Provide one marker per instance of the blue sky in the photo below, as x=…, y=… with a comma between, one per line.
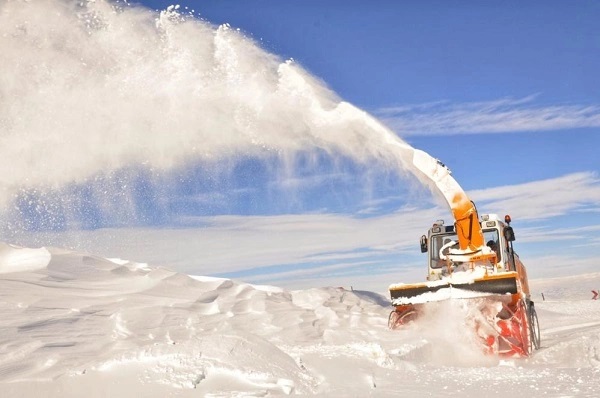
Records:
x=505, y=94
x=452, y=58
x=382, y=53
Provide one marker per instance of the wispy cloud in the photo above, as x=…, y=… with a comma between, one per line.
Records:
x=227, y=244
x=584, y=235
x=560, y=266
x=293, y=250
x=503, y=115
x=543, y=199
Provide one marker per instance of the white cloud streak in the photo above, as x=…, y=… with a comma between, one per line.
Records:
x=560, y=266
x=323, y=245
x=499, y=116
x=238, y=243
x=543, y=199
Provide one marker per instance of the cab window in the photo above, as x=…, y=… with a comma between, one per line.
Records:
x=490, y=238
x=437, y=242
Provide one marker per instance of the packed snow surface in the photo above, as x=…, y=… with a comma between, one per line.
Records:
x=78, y=325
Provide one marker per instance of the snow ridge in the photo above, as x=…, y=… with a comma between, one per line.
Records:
x=74, y=324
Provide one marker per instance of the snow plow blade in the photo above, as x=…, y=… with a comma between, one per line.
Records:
x=431, y=291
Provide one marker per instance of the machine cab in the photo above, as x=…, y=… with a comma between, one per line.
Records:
x=443, y=237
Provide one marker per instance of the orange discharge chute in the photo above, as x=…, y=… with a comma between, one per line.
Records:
x=467, y=225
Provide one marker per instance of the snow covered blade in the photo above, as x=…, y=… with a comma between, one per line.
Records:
x=439, y=290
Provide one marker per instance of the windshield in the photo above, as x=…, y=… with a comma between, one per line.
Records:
x=439, y=241
x=491, y=239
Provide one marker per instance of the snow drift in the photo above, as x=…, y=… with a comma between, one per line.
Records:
x=75, y=324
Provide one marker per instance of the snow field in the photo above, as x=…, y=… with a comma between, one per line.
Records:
x=75, y=324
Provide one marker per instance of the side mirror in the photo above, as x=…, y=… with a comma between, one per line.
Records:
x=423, y=243
x=509, y=234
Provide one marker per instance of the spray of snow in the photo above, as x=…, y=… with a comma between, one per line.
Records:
x=94, y=87
x=445, y=335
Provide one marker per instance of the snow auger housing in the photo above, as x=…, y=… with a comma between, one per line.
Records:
x=472, y=259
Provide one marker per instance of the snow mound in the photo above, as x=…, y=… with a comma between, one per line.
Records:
x=74, y=324
x=19, y=259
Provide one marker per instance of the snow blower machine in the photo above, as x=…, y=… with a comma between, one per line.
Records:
x=472, y=260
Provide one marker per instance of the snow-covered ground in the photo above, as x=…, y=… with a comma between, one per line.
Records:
x=74, y=325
